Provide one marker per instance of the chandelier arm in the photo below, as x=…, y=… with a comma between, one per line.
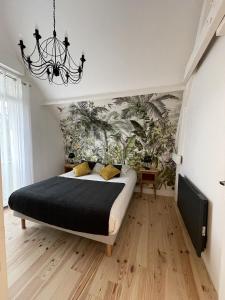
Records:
x=58, y=51
x=61, y=54
x=41, y=57
x=56, y=83
x=73, y=69
x=35, y=47
x=42, y=77
x=43, y=50
x=69, y=71
x=26, y=58
x=38, y=69
x=23, y=56
x=74, y=81
x=64, y=71
x=47, y=42
x=63, y=79
x=38, y=62
x=40, y=53
x=65, y=57
x=39, y=73
x=41, y=67
x=52, y=75
x=35, y=66
x=38, y=46
x=71, y=59
x=34, y=62
x=77, y=65
x=47, y=54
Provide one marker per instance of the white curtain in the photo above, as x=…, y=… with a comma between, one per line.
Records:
x=15, y=135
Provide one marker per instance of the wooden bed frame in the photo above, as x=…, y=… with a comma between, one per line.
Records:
x=109, y=240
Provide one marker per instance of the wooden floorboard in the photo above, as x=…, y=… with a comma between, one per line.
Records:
x=152, y=259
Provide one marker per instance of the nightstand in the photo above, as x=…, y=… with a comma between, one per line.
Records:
x=148, y=177
x=69, y=167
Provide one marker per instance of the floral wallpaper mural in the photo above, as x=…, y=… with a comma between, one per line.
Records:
x=124, y=130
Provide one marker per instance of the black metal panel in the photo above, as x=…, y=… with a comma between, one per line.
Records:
x=193, y=206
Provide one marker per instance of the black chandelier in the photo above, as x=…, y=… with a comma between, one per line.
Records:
x=51, y=59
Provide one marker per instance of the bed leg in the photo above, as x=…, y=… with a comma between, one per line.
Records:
x=109, y=250
x=23, y=223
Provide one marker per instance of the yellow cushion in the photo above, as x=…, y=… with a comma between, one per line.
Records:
x=109, y=172
x=82, y=169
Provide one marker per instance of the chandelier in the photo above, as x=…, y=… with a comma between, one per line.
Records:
x=51, y=59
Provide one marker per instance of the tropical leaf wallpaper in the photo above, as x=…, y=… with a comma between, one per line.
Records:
x=124, y=130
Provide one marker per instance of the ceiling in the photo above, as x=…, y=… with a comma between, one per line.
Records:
x=129, y=44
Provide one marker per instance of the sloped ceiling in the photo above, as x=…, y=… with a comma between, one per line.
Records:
x=129, y=44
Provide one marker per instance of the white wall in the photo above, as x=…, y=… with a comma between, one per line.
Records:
x=48, y=151
x=7, y=54
x=204, y=147
x=222, y=274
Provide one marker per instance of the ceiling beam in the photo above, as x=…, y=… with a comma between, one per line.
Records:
x=221, y=29
x=213, y=20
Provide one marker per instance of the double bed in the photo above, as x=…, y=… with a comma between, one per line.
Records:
x=87, y=206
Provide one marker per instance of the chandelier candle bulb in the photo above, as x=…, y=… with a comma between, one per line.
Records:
x=51, y=58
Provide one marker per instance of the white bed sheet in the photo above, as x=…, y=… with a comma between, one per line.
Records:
x=121, y=203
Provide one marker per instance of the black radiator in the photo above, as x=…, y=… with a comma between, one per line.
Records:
x=193, y=206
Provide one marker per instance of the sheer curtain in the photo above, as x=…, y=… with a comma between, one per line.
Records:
x=15, y=135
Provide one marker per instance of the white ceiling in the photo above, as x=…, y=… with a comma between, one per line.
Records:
x=129, y=44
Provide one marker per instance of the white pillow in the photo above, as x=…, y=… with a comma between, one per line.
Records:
x=97, y=168
x=124, y=170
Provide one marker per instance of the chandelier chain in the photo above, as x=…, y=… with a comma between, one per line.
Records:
x=54, y=14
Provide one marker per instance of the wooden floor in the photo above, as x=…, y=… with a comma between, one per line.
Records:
x=150, y=260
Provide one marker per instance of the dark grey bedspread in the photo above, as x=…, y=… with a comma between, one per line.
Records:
x=75, y=204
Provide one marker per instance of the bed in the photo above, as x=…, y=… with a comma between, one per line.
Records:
x=122, y=187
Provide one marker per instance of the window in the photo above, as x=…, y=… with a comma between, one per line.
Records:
x=15, y=135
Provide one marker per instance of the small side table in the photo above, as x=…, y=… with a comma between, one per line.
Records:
x=69, y=167
x=148, y=177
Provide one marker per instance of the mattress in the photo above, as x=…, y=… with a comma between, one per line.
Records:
x=121, y=203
